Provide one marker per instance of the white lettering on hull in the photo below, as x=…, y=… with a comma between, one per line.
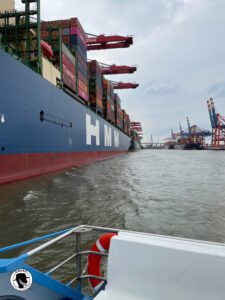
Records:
x=116, y=139
x=108, y=136
x=92, y=130
x=111, y=137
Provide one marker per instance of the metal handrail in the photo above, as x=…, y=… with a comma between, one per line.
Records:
x=33, y=241
x=86, y=277
x=49, y=243
x=59, y=236
x=61, y=264
x=78, y=229
x=73, y=256
x=93, y=276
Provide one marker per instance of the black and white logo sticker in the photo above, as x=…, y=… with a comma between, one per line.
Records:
x=2, y=118
x=21, y=280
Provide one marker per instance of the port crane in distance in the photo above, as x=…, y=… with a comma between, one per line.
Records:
x=193, y=134
x=218, y=125
x=102, y=42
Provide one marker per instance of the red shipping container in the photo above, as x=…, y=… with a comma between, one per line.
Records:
x=69, y=68
x=95, y=86
x=74, y=22
x=76, y=31
x=68, y=63
x=66, y=39
x=66, y=23
x=118, y=112
x=69, y=79
x=83, y=94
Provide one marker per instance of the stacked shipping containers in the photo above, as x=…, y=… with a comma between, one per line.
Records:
x=118, y=111
x=76, y=73
x=68, y=69
x=126, y=122
x=95, y=86
x=78, y=45
x=74, y=37
x=108, y=101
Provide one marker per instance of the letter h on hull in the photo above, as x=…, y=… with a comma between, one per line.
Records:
x=92, y=130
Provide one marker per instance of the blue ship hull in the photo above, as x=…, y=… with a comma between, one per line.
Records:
x=43, y=129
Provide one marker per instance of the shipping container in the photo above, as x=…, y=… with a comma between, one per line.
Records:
x=108, y=101
x=74, y=37
x=95, y=86
x=50, y=72
x=126, y=122
x=7, y=5
x=118, y=111
x=66, y=31
x=69, y=69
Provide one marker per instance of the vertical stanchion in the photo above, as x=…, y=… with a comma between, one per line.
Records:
x=39, y=36
x=78, y=259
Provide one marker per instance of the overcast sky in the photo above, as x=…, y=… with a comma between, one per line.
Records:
x=179, y=49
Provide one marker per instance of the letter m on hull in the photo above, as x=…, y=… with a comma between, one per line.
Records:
x=116, y=139
x=108, y=136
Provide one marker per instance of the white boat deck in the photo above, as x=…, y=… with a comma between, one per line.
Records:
x=157, y=268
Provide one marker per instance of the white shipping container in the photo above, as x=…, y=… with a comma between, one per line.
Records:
x=50, y=73
x=7, y=5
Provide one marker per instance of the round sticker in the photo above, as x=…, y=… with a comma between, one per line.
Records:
x=21, y=280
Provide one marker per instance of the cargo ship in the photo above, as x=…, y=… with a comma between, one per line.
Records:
x=187, y=146
x=186, y=143
x=193, y=138
x=57, y=111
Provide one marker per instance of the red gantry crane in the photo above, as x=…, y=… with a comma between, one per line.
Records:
x=101, y=42
x=124, y=85
x=192, y=135
x=136, y=126
x=114, y=69
x=218, y=126
x=136, y=130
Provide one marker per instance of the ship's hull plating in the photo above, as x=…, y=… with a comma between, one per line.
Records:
x=42, y=129
x=135, y=145
x=188, y=146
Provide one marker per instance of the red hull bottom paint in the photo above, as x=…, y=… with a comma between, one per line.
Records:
x=20, y=166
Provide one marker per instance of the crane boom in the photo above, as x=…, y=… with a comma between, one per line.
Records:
x=124, y=85
x=211, y=114
x=213, y=111
x=102, y=42
x=181, y=130
x=189, y=126
x=114, y=69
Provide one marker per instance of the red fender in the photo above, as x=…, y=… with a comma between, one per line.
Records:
x=94, y=261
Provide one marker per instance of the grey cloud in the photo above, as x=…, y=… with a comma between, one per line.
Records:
x=217, y=89
x=160, y=90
